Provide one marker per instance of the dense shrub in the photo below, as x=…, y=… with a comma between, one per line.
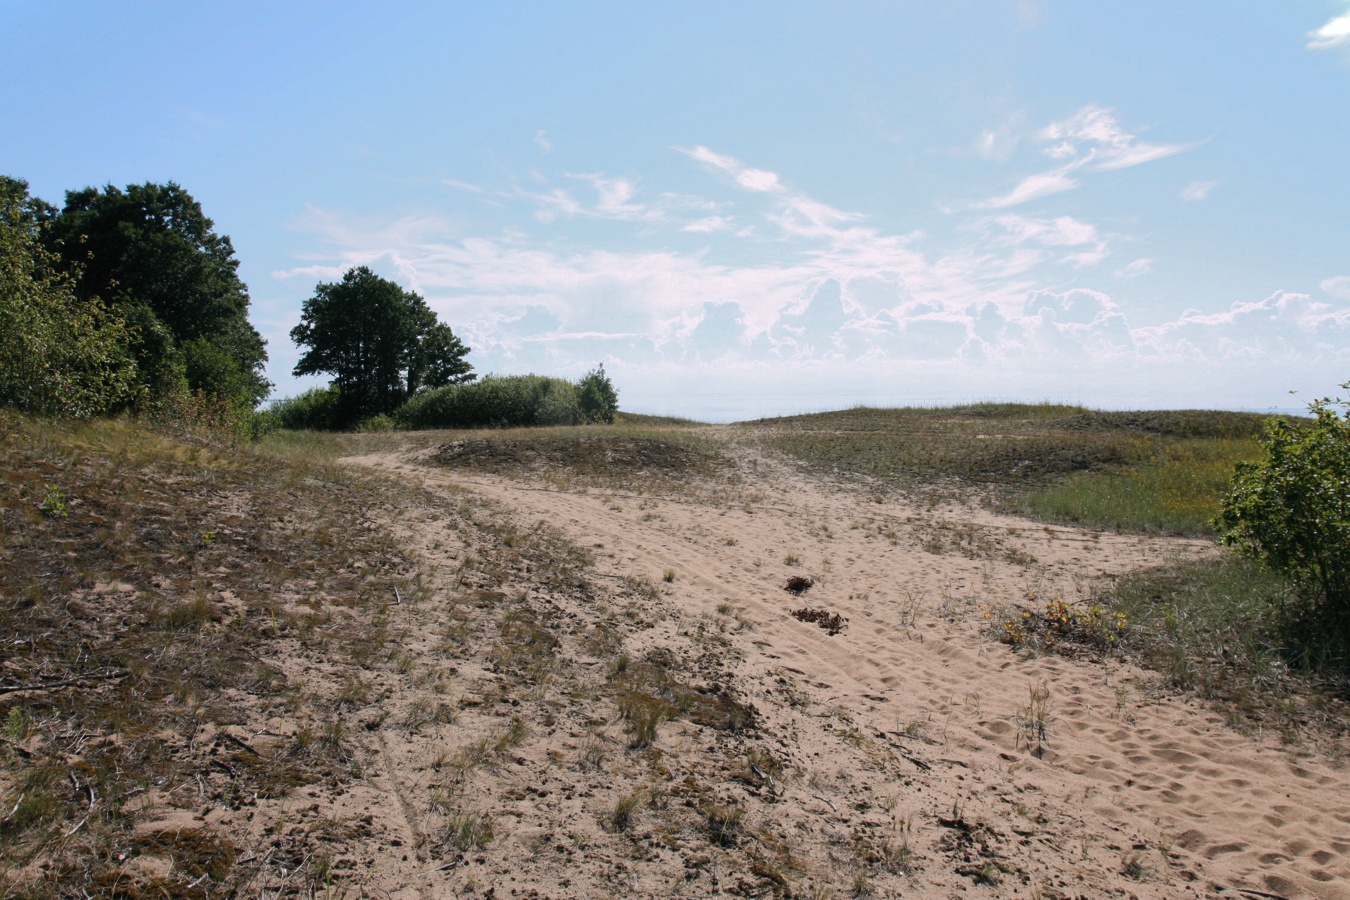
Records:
x=1291, y=510
x=314, y=410
x=595, y=392
x=496, y=402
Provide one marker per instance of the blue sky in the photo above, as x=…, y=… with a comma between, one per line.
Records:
x=745, y=209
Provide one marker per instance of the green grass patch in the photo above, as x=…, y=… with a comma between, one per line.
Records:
x=1230, y=630
x=1174, y=488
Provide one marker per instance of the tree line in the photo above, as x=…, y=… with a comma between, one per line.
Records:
x=128, y=299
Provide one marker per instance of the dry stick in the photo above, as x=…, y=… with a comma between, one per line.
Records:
x=238, y=743
x=66, y=682
x=825, y=801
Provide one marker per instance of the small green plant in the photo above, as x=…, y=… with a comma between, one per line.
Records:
x=16, y=725
x=54, y=504
x=723, y=822
x=1291, y=511
x=668, y=576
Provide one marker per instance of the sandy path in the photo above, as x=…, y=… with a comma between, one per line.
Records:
x=1152, y=787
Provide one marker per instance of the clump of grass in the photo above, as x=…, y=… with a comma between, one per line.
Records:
x=642, y=712
x=668, y=576
x=466, y=831
x=1033, y=722
x=1222, y=628
x=724, y=822
x=621, y=816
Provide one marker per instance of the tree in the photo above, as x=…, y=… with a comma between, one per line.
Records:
x=597, y=397
x=59, y=354
x=380, y=343
x=1291, y=510
x=153, y=254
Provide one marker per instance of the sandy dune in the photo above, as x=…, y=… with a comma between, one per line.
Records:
x=908, y=728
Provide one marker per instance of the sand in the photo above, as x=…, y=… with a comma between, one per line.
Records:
x=890, y=759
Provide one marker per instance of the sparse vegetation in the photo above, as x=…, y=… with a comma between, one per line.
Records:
x=1135, y=471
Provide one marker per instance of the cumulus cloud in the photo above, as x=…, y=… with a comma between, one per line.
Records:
x=791, y=282
x=1335, y=33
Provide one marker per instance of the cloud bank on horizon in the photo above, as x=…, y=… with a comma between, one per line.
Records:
x=757, y=281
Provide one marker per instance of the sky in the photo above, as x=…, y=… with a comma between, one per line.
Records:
x=747, y=209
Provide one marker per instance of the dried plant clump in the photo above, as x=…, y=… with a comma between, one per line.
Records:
x=833, y=623
x=799, y=584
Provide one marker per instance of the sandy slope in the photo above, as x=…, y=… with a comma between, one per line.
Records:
x=902, y=728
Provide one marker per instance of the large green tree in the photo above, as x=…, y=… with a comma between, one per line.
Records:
x=151, y=252
x=59, y=354
x=380, y=343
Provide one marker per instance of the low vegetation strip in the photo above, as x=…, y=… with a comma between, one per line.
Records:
x=1162, y=471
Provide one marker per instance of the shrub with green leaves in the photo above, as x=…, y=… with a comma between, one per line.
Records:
x=59, y=354
x=314, y=410
x=597, y=397
x=1291, y=510
x=495, y=402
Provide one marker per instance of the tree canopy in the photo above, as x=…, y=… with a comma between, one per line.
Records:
x=380, y=343
x=150, y=252
x=59, y=354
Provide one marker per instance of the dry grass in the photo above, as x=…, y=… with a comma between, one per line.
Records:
x=148, y=608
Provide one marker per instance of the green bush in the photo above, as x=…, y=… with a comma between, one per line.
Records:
x=597, y=397
x=495, y=402
x=1291, y=510
x=59, y=354
x=314, y=410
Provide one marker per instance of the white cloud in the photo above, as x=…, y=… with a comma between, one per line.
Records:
x=751, y=179
x=461, y=186
x=806, y=284
x=1198, y=190
x=1136, y=268
x=1093, y=136
x=998, y=143
x=1338, y=287
x=709, y=224
x=1335, y=33
x=541, y=138
x=1034, y=187
x=1062, y=231
x=1091, y=139
x=757, y=180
